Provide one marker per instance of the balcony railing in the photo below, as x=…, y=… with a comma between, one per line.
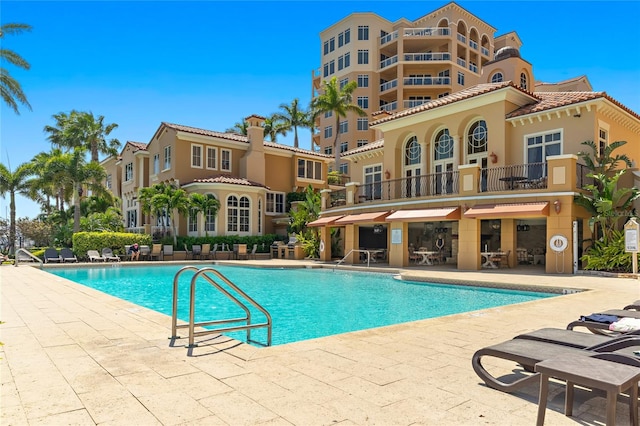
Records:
x=473, y=44
x=420, y=57
x=473, y=67
x=338, y=198
x=462, y=38
x=462, y=62
x=159, y=232
x=426, y=32
x=484, y=51
x=436, y=184
x=135, y=230
x=509, y=178
x=389, y=61
x=339, y=179
x=415, y=102
x=582, y=179
x=426, y=81
x=391, y=106
x=389, y=85
x=389, y=37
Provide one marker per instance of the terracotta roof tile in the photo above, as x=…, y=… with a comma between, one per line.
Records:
x=138, y=145
x=228, y=179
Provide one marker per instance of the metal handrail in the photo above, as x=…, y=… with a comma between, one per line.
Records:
x=192, y=324
x=368, y=252
x=28, y=253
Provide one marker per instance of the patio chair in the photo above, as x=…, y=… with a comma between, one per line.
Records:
x=145, y=252
x=252, y=255
x=528, y=353
x=598, y=323
x=108, y=255
x=242, y=252
x=187, y=252
x=94, y=256
x=126, y=255
x=197, y=251
x=67, y=255
x=167, y=250
x=51, y=255
x=156, y=252
x=206, y=251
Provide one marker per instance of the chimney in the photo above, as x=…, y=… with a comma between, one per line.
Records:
x=252, y=163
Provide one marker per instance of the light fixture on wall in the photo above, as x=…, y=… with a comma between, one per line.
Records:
x=557, y=206
x=387, y=174
x=494, y=157
x=378, y=229
x=495, y=224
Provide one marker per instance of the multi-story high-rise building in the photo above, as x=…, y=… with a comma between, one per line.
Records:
x=403, y=64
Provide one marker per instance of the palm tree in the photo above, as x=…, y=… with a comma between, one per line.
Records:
x=339, y=102
x=240, y=128
x=165, y=199
x=273, y=127
x=205, y=204
x=84, y=130
x=293, y=117
x=14, y=182
x=46, y=183
x=10, y=89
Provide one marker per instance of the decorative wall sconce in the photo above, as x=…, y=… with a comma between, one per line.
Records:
x=494, y=157
x=557, y=206
x=387, y=174
x=378, y=229
x=495, y=224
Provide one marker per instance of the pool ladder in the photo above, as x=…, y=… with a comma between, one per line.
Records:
x=367, y=252
x=224, y=289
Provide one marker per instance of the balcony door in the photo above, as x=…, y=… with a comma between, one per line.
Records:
x=443, y=163
x=477, y=144
x=373, y=182
x=412, y=169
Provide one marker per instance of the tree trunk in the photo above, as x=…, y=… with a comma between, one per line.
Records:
x=12, y=223
x=336, y=152
x=295, y=136
x=76, y=209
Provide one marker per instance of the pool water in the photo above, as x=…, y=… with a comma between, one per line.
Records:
x=303, y=303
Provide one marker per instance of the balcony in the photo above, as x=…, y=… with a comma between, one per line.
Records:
x=338, y=198
x=461, y=62
x=338, y=179
x=415, y=102
x=135, y=230
x=426, y=32
x=515, y=177
x=484, y=51
x=462, y=38
x=473, y=67
x=388, y=62
x=388, y=85
x=388, y=38
x=473, y=44
x=426, y=81
x=427, y=57
x=391, y=106
x=433, y=185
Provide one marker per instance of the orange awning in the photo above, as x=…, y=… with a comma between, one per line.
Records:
x=425, y=215
x=519, y=210
x=363, y=217
x=324, y=221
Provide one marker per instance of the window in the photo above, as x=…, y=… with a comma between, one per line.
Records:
x=363, y=80
x=196, y=156
x=210, y=221
x=343, y=82
x=523, y=81
x=156, y=164
x=461, y=78
x=344, y=127
x=326, y=47
x=325, y=70
x=347, y=36
x=212, y=158
x=275, y=202
x=128, y=172
x=332, y=44
x=373, y=182
x=344, y=147
x=477, y=137
x=363, y=56
x=363, y=102
x=192, y=221
x=309, y=169
x=238, y=214
x=347, y=59
x=340, y=62
x=443, y=147
x=328, y=132
x=363, y=124
x=328, y=114
x=603, y=138
x=332, y=66
x=539, y=147
x=363, y=32
x=344, y=168
x=412, y=152
x=132, y=219
x=259, y=215
x=362, y=142
x=328, y=150
x=442, y=95
x=225, y=160
x=108, y=181
x=340, y=39
x=167, y=157
x=496, y=78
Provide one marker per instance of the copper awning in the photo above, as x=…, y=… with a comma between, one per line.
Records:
x=425, y=215
x=362, y=217
x=324, y=221
x=519, y=210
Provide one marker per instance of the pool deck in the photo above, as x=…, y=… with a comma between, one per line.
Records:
x=73, y=355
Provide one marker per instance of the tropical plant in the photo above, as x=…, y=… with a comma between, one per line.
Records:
x=10, y=89
x=338, y=101
x=165, y=200
x=603, y=161
x=240, y=128
x=14, y=182
x=205, y=204
x=293, y=117
x=608, y=255
x=306, y=211
x=36, y=230
x=109, y=220
x=273, y=127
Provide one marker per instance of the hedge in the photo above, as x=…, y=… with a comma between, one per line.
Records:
x=84, y=241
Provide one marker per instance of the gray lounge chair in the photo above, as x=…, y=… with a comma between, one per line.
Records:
x=107, y=255
x=51, y=255
x=528, y=353
x=635, y=306
x=67, y=255
x=602, y=327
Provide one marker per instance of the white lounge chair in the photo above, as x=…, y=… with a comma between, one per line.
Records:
x=95, y=256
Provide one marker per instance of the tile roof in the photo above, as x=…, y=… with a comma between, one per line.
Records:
x=470, y=92
x=137, y=145
x=228, y=179
x=551, y=100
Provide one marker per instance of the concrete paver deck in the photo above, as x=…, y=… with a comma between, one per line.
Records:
x=73, y=355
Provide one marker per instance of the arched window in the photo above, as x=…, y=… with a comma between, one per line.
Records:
x=412, y=152
x=497, y=77
x=477, y=137
x=238, y=214
x=443, y=147
x=523, y=81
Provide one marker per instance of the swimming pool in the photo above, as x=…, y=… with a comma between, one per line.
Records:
x=304, y=303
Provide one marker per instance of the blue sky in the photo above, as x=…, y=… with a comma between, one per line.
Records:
x=210, y=63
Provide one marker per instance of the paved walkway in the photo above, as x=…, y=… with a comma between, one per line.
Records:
x=73, y=355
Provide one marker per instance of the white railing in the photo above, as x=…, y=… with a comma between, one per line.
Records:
x=135, y=230
x=425, y=32
x=484, y=51
x=158, y=232
x=462, y=38
x=389, y=85
x=391, y=106
x=389, y=61
x=462, y=62
x=389, y=37
x=473, y=44
x=415, y=102
x=438, y=56
x=426, y=81
x=473, y=67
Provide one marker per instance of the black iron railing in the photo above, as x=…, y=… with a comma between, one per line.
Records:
x=409, y=187
x=582, y=178
x=338, y=198
x=514, y=177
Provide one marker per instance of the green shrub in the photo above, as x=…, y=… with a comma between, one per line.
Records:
x=611, y=256
x=263, y=241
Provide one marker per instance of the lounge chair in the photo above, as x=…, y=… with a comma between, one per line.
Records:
x=252, y=255
x=528, y=353
x=572, y=338
x=167, y=250
x=635, y=306
x=51, y=255
x=67, y=255
x=156, y=251
x=107, y=255
x=187, y=252
x=197, y=251
x=95, y=256
x=598, y=327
